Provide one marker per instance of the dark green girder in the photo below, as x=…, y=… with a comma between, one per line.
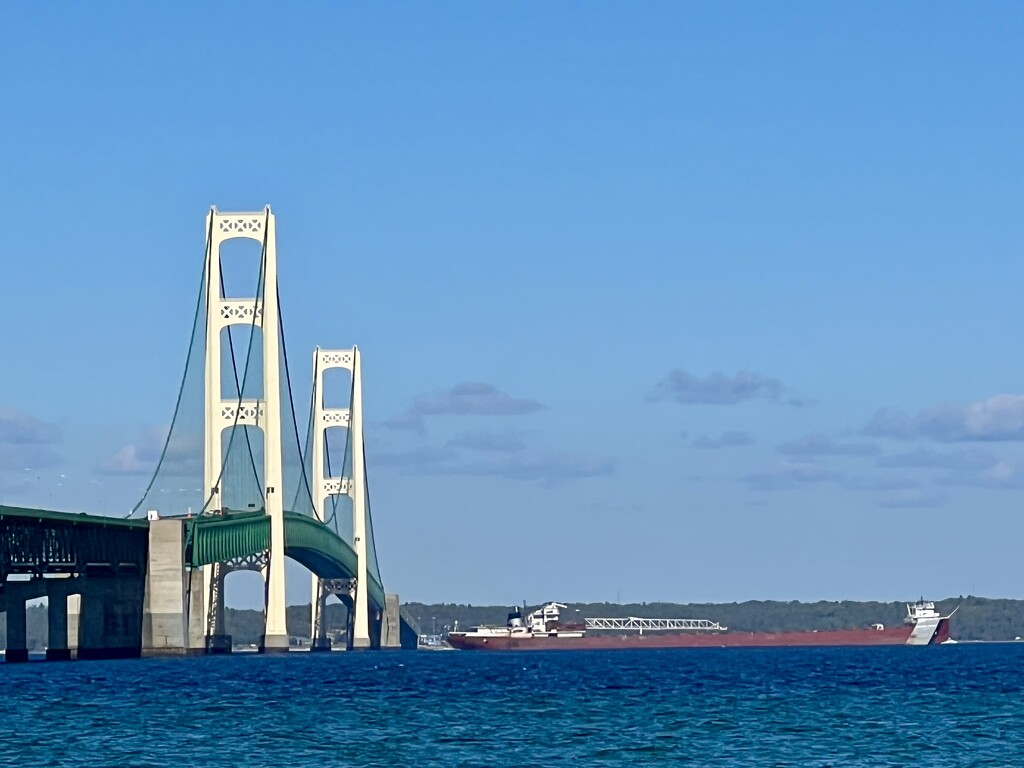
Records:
x=219, y=538
x=37, y=541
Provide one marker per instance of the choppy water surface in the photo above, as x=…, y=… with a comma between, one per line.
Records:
x=950, y=706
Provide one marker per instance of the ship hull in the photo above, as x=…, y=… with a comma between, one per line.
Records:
x=828, y=638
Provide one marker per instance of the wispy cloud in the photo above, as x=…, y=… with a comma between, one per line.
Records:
x=1001, y=474
x=725, y=440
x=911, y=499
x=789, y=476
x=466, y=399
x=19, y=428
x=415, y=459
x=26, y=442
x=406, y=422
x=928, y=458
x=490, y=442
x=997, y=418
x=883, y=482
x=183, y=454
x=446, y=460
x=547, y=470
x=126, y=461
x=970, y=467
x=19, y=457
x=719, y=389
x=820, y=445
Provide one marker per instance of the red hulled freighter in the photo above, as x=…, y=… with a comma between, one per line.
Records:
x=543, y=630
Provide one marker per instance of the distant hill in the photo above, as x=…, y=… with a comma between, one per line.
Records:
x=978, y=618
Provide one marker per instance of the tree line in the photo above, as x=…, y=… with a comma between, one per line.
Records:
x=976, y=618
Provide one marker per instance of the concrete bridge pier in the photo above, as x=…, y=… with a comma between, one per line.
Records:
x=74, y=604
x=173, y=615
x=110, y=625
x=57, y=620
x=16, y=595
x=391, y=624
x=61, y=607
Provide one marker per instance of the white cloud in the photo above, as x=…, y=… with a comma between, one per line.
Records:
x=720, y=389
x=182, y=454
x=19, y=428
x=466, y=399
x=997, y=418
x=125, y=462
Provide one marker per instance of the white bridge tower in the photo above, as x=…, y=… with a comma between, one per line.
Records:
x=263, y=412
x=354, y=487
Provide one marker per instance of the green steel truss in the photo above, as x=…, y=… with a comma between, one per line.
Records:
x=217, y=539
x=37, y=541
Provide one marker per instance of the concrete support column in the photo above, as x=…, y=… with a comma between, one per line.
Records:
x=174, y=618
x=111, y=618
x=391, y=624
x=57, y=621
x=17, y=639
x=195, y=614
x=74, y=603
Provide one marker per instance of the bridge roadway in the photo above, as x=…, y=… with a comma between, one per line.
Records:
x=94, y=570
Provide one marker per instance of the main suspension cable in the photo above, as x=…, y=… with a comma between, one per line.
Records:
x=291, y=402
x=184, y=375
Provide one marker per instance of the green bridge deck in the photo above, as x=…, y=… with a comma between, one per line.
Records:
x=37, y=542
x=219, y=538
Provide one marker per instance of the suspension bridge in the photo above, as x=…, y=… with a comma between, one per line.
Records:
x=238, y=486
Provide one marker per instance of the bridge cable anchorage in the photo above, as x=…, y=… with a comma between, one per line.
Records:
x=655, y=624
x=261, y=290
x=291, y=403
x=184, y=375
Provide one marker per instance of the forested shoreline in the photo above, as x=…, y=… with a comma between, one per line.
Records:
x=976, y=618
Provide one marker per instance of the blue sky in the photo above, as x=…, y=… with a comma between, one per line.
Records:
x=659, y=302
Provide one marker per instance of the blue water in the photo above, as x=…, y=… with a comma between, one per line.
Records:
x=949, y=706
